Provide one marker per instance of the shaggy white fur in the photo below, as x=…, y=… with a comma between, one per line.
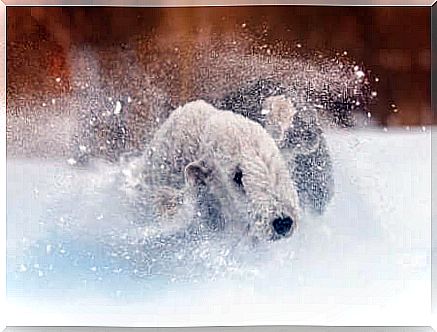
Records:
x=227, y=167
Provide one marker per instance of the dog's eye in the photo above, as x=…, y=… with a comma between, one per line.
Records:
x=238, y=177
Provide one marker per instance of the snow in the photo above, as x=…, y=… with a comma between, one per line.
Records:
x=73, y=260
x=117, y=107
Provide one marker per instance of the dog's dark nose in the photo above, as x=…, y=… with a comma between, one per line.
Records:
x=282, y=225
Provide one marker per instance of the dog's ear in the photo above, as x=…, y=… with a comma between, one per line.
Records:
x=279, y=112
x=197, y=172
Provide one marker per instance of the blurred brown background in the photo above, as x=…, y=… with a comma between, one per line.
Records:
x=393, y=42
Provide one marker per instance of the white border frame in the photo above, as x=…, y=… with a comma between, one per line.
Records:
x=131, y=3
x=3, y=164
x=215, y=3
